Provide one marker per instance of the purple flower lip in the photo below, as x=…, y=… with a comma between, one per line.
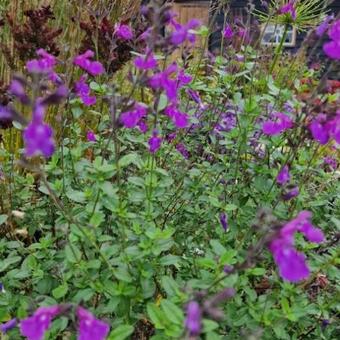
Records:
x=35, y=326
x=332, y=48
x=224, y=221
x=89, y=327
x=283, y=176
x=94, y=68
x=154, y=142
x=193, y=321
x=7, y=326
x=90, y=136
x=292, y=264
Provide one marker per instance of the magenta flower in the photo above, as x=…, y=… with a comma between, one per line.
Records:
x=163, y=81
x=146, y=62
x=319, y=132
x=289, y=9
x=38, y=138
x=130, y=119
x=17, y=89
x=183, y=78
x=228, y=32
x=179, y=118
x=332, y=48
x=291, y=263
x=283, y=176
x=224, y=221
x=154, y=142
x=92, y=67
x=193, y=321
x=7, y=326
x=124, y=32
x=143, y=127
x=89, y=327
x=35, y=326
x=83, y=91
x=182, y=32
x=90, y=136
x=279, y=124
x=44, y=64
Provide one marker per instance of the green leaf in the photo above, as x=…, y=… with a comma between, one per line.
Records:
x=3, y=218
x=209, y=325
x=131, y=158
x=121, y=332
x=76, y=196
x=170, y=286
x=155, y=315
x=60, y=291
x=121, y=273
x=73, y=254
x=172, y=312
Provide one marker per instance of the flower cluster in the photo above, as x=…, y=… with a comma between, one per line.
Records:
x=324, y=128
x=291, y=263
x=280, y=123
x=35, y=326
x=332, y=48
x=94, y=68
x=289, y=9
x=182, y=33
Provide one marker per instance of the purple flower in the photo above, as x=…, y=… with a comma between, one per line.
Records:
x=123, y=32
x=224, y=221
x=323, y=27
x=92, y=67
x=146, y=62
x=91, y=328
x=34, y=327
x=7, y=326
x=193, y=321
x=130, y=119
x=2, y=288
x=43, y=65
x=289, y=9
x=154, y=142
x=332, y=48
x=319, y=129
x=280, y=123
x=291, y=193
x=228, y=32
x=179, y=118
x=83, y=91
x=17, y=89
x=143, y=127
x=283, y=176
x=292, y=264
x=90, y=136
x=182, y=32
x=163, y=81
x=38, y=138
x=180, y=147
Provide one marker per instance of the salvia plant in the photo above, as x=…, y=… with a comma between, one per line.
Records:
x=172, y=193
